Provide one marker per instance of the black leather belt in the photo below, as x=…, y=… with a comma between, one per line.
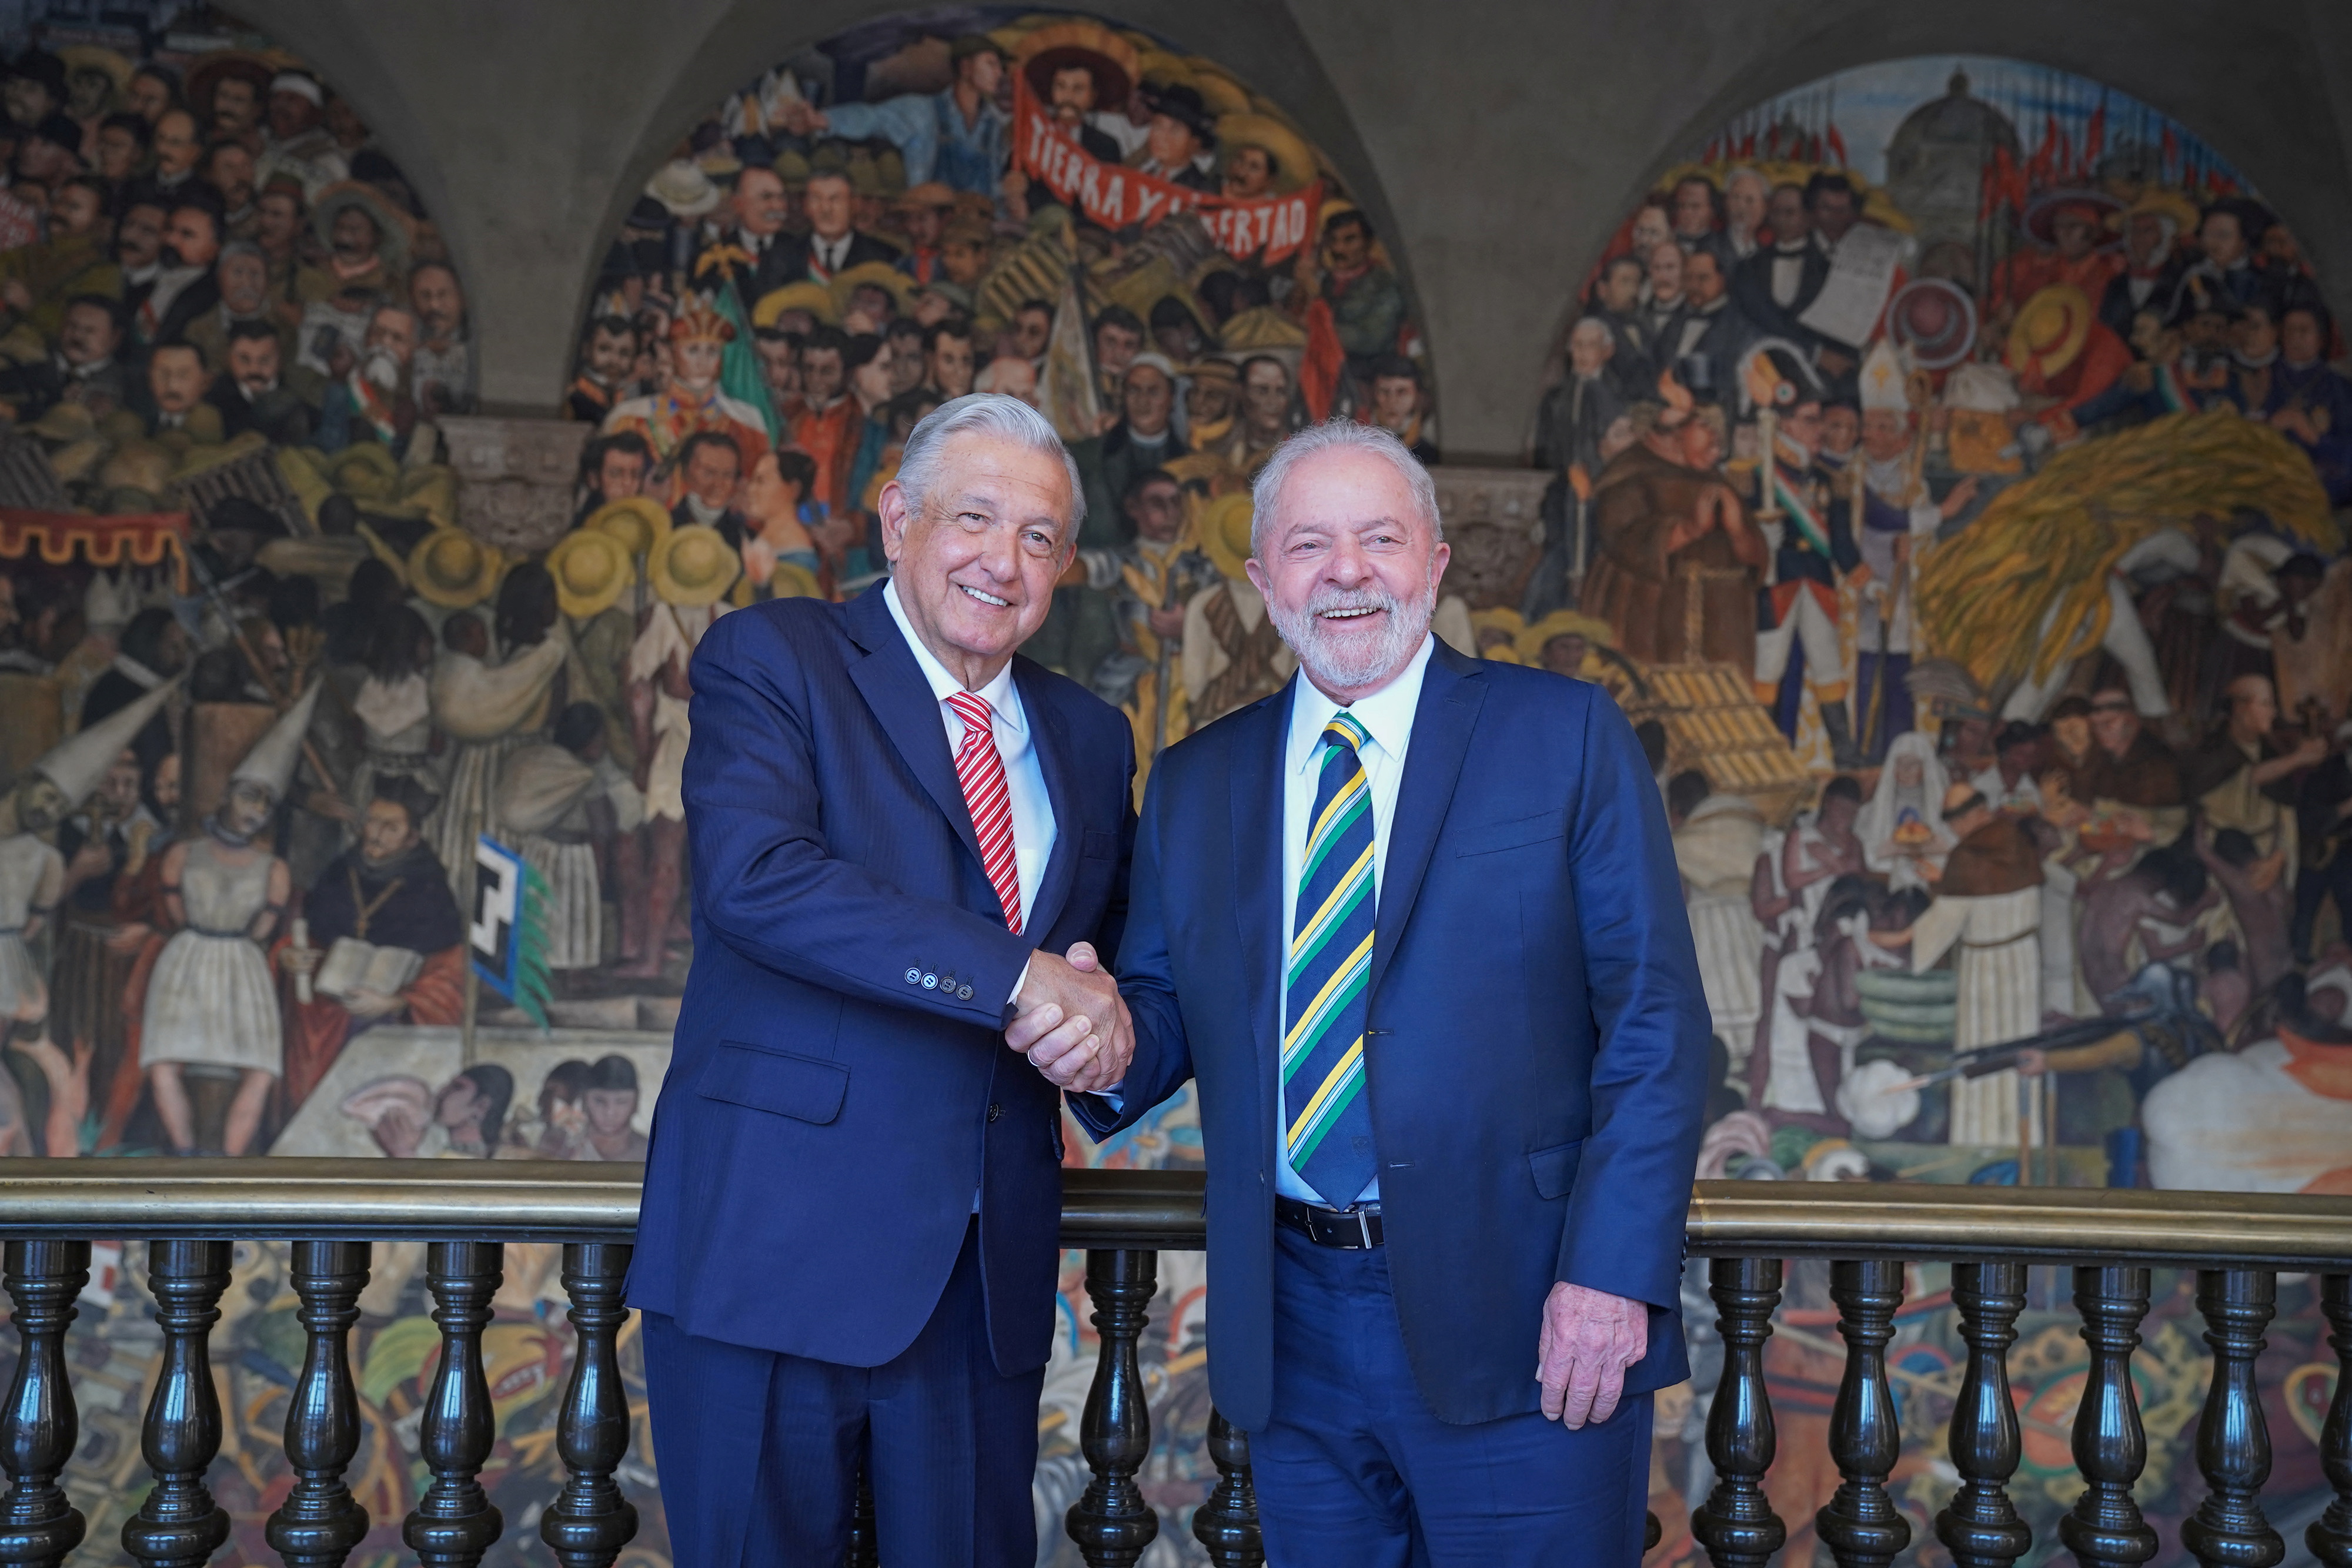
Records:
x=1349, y=1229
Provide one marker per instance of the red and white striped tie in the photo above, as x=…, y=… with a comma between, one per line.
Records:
x=980, y=771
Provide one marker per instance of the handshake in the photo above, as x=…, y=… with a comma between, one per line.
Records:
x=1071, y=1023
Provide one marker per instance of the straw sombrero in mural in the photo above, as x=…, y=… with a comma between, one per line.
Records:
x=1531, y=641
x=1226, y=533
x=638, y=522
x=2050, y=331
x=590, y=567
x=1935, y=319
x=694, y=565
x=1064, y=46
x=1294, y=161
x=2042, y=216
x=866, y=273
x=451, y=569
x=392, y=228
x=112, y=64
x=806, y=295
x=2157, y=202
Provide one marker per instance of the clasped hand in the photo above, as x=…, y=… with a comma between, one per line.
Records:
x=1071, y=1024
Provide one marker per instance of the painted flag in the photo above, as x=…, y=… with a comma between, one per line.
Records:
x=508, y=932
x=1837, y=145
x=2094, y=139
x=739, y=375
x=1067, y=392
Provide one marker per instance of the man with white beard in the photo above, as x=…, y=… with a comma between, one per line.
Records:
x=1451, y=915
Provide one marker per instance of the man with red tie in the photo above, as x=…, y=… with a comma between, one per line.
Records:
x=848, y=1251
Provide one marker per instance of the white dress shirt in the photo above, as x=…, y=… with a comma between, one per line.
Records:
x=1032, y=809
x=1387, y=717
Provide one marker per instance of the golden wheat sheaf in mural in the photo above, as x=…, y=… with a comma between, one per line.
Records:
x=2041, y=553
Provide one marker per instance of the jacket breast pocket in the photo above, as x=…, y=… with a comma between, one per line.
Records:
x=1555, y=1168
x=806, y=1088
x=1492, y=838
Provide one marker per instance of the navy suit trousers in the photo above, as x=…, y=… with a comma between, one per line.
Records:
x=1355, y=1471
x=760, y=1451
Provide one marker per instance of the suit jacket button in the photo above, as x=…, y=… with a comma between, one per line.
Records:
x=914, y=977
x=930, y=982
x=994, y=1112
x=963, y=993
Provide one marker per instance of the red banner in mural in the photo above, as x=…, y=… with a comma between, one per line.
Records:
x=1117, y=197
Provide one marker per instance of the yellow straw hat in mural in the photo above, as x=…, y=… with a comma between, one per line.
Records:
x=2157, y=202
x=366, y=471
x=790, y=580
x=694, y=565
x=639, y=523
x=868, y=274
x=590, y=567
x=1502, y=619
x=1226, y=533
x=1561, y=624
x=1294, y=161
x=813, y=298
x=453, y=568
x=106, y=62
x=2050, y=330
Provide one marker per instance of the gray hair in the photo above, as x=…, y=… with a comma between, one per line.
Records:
x=1338, y=435
x=243, y=247
x=997, y=416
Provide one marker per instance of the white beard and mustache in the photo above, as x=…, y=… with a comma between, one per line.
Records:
x=1333, y=670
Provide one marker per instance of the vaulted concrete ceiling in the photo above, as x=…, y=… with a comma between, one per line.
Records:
x=1497, y=144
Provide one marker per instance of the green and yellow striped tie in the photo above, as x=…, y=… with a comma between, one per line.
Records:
x=1327, y=1125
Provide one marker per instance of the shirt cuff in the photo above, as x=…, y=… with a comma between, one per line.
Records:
x=1018, y=981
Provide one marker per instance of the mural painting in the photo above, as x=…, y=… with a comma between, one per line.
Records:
x=1949, y=468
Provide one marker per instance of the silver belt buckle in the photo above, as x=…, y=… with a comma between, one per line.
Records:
x=1364, y=1227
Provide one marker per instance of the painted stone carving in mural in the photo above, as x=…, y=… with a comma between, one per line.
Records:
x=1123, y=234
x=1949, y=467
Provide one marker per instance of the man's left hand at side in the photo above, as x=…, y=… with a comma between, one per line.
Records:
x=1590, y=1339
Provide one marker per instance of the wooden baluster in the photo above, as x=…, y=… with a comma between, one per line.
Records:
x=2330, y=1535
x=320, y=1522
x=865, y=1539
x=40, y=1427
x=589, y=1521
x=1737, y=1524
x=1979, y=1527
x=2233, y=1442
x=2105, y=1530
x=454, y=1522
x=1860, y=1523
x=1227, y=1524
x=1111, y=1522
x=179, y=1525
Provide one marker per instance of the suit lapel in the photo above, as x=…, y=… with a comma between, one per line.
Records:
x=893, y=686
x=1050, y=734
x=1254, y=784
x=1452, y=692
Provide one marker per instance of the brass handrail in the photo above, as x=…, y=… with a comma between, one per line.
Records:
x=540, y=1200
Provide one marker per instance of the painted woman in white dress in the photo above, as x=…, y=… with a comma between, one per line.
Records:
x=212, y=1001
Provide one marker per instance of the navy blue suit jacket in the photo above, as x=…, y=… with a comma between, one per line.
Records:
x=839, y=1088
x=1536, y=1036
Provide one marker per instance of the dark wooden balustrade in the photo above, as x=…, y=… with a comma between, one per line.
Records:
x=332, y=1210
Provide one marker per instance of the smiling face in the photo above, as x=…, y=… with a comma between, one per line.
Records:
x=975, y=565
x=1349, y=568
